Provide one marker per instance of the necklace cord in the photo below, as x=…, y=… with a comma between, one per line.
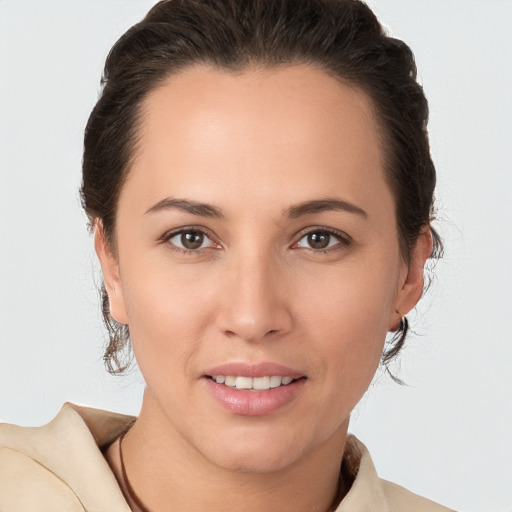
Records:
x=129, y=489
x=133, y=496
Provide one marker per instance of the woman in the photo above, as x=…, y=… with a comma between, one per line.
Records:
x=258, y=178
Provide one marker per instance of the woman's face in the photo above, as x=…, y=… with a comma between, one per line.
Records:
x=256, y=244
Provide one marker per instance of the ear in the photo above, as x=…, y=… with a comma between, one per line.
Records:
x=411, y=280
x=110, y=270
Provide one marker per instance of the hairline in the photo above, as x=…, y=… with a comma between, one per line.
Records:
x=248, y=65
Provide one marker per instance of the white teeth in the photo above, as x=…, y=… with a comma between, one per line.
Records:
x=243, y=383
x=230, y=381
x=257, y=383
x=275, y=381
x=261, y=383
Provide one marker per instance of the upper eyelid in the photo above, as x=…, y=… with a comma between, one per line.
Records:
x=187, y=229
x=297, y=237
x=168, y=235
x=344, y=240
x=319, y=229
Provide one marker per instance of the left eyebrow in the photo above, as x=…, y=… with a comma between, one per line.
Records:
x=193, y=207
x=322, y=205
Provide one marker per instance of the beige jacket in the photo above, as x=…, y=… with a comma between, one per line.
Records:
x=59, y=468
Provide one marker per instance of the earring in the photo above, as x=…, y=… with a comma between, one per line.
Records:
x=396, y=343
x=404, y=325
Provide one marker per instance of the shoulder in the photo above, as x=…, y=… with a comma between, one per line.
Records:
x=402, y=500
x=26, y=485
x=369, y=493
x=59, y=466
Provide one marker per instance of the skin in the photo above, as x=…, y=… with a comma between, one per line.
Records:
x=254, y=145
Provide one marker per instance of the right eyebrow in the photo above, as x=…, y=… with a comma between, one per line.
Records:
x=193, y=207
x=322, y=205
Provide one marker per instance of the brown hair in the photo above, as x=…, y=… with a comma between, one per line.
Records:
x=341, y=37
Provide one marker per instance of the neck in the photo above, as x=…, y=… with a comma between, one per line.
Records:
x=168, y=474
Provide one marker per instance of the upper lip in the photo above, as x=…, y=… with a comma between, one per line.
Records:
x=253, y=370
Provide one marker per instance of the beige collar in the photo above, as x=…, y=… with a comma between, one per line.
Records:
x=70, y=448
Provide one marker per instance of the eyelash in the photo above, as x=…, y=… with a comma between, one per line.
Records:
x=344, y=241
x=193, y=252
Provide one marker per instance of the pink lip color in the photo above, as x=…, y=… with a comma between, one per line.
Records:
x=253, y=370
x=250, y=402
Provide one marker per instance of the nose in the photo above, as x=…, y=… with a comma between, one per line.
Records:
x=255, y=303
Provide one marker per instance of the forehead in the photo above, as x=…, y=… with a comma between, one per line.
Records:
x=293, y=129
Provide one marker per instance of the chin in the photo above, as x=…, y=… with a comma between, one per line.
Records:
x=254, y=454
x=255, y=462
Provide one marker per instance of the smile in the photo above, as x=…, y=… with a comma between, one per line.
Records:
x=254, y=396
x=253, y=383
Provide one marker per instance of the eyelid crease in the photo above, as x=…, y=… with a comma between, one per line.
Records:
x=344, y=239
x=168, y=235
x=185, y=229
x=323, y=229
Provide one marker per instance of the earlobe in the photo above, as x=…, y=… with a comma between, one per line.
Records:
x=411, y=288
x=110, y=271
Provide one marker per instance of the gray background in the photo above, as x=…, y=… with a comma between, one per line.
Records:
x=447, y=435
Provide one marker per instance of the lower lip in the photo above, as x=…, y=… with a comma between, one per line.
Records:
x=254, y=403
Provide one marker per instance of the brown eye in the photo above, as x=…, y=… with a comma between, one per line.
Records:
x=322, y=239
x=318, y=240
x=191, y=240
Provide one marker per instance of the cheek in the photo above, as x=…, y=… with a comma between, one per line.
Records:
x=348, y=323
x=351, y=303
x=352, y=342
x=350, y=361
x=166, y=311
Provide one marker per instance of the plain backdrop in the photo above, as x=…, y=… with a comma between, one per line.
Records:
x=447, y=435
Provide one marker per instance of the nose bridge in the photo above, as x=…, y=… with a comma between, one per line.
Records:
x=255, y=305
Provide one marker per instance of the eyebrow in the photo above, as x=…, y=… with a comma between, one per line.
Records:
x=322, y=205
x=305, y=208
x=201, y=209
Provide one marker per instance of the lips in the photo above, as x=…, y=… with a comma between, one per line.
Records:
x=254, y=390
x=254, y=370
